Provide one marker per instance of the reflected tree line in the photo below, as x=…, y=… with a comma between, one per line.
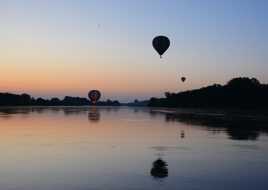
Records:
x=237, y=127
x=93, y=112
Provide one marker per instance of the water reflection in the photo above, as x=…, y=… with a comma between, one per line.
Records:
x=182, y=134
x=93, y=114
x=128, y=144
x=159, y=169
x=237, y=127
x=8, y=111
x=70, y=111
x=243, y=134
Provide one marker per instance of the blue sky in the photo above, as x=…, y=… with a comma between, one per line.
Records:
x=107, y=45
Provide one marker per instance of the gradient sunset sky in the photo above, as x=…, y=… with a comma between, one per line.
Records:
x=54, y=48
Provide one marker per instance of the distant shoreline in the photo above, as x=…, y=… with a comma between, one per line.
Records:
x=8, y=99
x=238, y=93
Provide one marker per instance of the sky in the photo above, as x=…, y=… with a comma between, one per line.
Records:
x=53, y=48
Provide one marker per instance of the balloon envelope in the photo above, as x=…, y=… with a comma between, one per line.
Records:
x=161, y=44
x=94, y=96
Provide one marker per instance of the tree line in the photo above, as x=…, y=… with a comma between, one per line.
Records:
x=239, y=92
x=8, y=99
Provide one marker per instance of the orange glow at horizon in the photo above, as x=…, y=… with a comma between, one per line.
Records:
x=50, y=75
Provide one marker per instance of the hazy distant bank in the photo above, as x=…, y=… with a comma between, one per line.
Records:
x=8, y=99
x=238, y=93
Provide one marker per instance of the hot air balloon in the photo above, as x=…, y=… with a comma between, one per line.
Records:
x=94, y=96
x=161, y=44
x=183, y=79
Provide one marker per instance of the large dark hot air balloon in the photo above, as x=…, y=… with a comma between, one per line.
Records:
x=161, y=44
x=183, y=79
x=94, y=96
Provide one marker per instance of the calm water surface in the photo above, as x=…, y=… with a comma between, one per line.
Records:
x=118, y=148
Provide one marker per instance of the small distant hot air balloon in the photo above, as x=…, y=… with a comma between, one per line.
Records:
x=94, y=96
x=183, y=79
x=161, y=44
